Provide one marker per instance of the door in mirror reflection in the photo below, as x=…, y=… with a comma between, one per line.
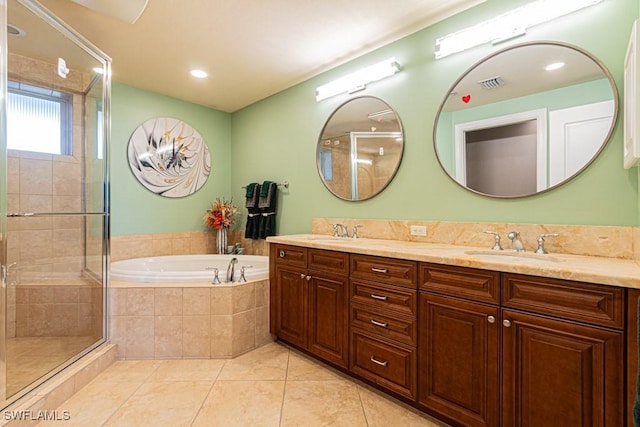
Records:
x=360, y=148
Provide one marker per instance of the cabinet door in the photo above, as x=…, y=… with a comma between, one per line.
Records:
x=458, y=363
x=328, y=316
x=291, y=308
x=557, y=373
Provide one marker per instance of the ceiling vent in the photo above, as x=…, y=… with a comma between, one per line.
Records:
x=492, y=83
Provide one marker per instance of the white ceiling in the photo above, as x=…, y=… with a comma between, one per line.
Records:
x=250, y=48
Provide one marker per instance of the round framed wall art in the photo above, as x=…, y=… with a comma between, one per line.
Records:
x=169, y=157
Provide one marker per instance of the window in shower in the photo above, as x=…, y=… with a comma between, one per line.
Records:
x=39, y=119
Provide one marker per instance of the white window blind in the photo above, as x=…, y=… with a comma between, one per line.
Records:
x=38, y=120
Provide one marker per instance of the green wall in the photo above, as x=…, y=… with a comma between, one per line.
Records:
x=136, y=210
x=276, y=138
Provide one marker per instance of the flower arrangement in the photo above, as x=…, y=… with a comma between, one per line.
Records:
x=221, y=214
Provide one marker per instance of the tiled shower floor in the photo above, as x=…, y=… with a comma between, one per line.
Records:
x=29, y=358
x=270, y=386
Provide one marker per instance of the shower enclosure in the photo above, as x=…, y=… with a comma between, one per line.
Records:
x=54, y=215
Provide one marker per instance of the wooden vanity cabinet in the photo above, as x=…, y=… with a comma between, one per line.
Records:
x=459, y=344
x=383, y=322
x=548, y=352
x=563, y=353
x=310, y=300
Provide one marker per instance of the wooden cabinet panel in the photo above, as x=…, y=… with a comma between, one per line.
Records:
x=328, y=317
x=461, y=282
x=291, y=292
x=385, y=362
x=385, y=297
x=558, y=373
x=290, y=255
x=384, y=323
x=385, y=270
x=459, y=361
x=328, y=261
x=583, y=302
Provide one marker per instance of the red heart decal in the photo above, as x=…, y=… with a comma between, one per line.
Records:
x=466, y=99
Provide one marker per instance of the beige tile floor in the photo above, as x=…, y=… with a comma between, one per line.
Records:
x=270, y=386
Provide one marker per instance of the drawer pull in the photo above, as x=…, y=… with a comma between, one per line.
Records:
x=381, y=298
x=379, y=270
x=377, y=362
x=282, y=254
x=384, y=325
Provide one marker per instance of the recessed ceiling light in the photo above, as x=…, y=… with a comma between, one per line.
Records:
x=554, y=66
x=199, y=74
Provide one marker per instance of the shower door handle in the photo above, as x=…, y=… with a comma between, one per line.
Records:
x=20, y=214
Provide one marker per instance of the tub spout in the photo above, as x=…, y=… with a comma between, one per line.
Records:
x=230, y=269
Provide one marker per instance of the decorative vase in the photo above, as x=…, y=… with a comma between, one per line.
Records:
x=221, y=240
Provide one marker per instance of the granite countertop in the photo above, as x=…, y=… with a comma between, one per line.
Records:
x=602, y=270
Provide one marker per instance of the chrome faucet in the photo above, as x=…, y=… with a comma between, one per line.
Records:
x=340, y=230
x=242, y=278
x=517, y=245
x=496, y=236
x=230, y=269
x=541, y=249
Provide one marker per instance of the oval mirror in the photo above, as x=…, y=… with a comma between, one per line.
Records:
x=360, y=148
x=525, y=119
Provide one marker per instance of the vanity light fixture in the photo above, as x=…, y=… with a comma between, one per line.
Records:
x=364, y=161
x=508, y=25
x=198, y=74
x=358, y=80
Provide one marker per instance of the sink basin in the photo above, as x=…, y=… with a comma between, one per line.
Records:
x=526, y=257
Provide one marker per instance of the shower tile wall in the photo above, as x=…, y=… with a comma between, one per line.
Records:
x=51, y=247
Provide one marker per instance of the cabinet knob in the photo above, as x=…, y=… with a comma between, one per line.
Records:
x=308, y=278
x=491, y=319
x=506, y=323
x=302, y=276
x=282, y=254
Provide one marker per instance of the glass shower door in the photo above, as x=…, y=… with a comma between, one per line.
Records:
x=56, y=225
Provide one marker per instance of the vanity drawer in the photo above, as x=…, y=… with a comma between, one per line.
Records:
x=391, y=365
x=386, y=297
x=386, y=270
x=328, y=261
x=290, y=255
x=583, y=302
x=384, y=323
x=461, y=282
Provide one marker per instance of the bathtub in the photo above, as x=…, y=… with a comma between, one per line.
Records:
x=166, y=307
x=188, y=268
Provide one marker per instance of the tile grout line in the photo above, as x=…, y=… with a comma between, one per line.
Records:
x=364, y=412
x=193, y=420
x=284, y=389
x=131, y=395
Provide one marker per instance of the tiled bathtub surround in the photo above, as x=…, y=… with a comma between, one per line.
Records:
x=603, y=241
x=200, y=321
x=187, y=243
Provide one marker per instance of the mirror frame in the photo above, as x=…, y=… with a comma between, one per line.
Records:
x=318, y=147
x=606, y=140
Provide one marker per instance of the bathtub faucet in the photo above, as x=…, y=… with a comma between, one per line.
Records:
x=230, y=269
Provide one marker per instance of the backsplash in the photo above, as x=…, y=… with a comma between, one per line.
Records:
x=604, y=241
x=185, y=243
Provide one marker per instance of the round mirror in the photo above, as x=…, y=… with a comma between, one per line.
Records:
x=360, y=148
x=525, y=119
